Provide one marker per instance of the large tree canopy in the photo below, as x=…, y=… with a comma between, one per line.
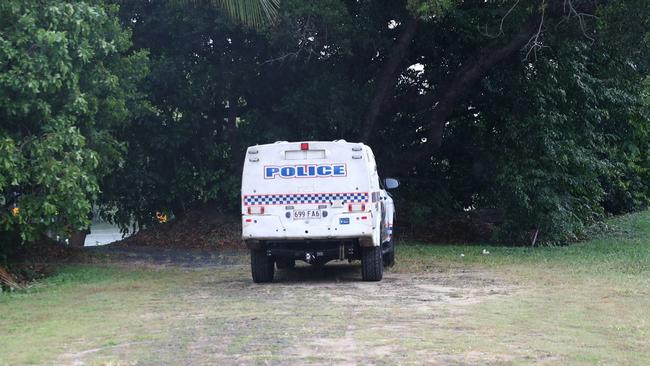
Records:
x=534, y=109
x=67, y=85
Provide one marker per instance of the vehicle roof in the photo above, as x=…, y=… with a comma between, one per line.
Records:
x=285, y=143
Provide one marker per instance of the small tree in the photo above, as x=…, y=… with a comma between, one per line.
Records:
x=67, y=84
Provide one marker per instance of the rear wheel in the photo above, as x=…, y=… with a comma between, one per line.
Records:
x=262, y=266
x=372, y=266
x=389, y=256
x=285, y=263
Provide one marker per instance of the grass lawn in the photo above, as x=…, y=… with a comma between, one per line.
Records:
x=587, y=303
x=582, y=304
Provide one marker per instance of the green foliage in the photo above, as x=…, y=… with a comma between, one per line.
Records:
x=431, y=8
x=554, y=142
x=553, y=185
x=66, y=85
x=555, y=139
x=218, y=87
x=253, y=13
x=180, y=156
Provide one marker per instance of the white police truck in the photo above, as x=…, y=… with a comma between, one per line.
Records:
x=316, y=201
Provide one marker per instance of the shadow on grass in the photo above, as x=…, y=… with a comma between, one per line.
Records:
x=329, y=273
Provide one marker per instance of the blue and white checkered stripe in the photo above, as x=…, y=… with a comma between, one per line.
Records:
x=304, y=198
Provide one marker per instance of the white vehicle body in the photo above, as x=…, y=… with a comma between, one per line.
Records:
x=314, y=193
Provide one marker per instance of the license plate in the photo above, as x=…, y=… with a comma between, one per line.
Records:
x=306, y=214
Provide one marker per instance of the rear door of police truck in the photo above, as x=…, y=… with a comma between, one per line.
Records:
x=313, y=190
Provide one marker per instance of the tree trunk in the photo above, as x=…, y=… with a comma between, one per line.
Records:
x=232, y=135
x=78, y=238
x=461, y=83
x=387, y=78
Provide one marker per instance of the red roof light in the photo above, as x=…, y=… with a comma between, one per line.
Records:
x=304, y=146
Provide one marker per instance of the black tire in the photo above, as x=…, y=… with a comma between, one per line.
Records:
x=372, y=266
x=389, y=256
x=285, y=263
x=262, y=266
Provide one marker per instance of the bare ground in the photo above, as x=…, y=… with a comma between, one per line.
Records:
x=585, y=304
x=310, y=315
x=150, y=306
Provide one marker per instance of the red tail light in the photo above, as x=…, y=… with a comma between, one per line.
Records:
x=304, y=146
x=356, y=207
x=256, y=210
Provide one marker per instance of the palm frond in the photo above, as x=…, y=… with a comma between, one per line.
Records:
x=253, y=13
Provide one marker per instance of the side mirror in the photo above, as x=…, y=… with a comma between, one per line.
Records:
x=391, y=183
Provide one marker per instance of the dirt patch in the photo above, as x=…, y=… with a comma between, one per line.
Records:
x=340, y=282
x=198, y=230
x=173, y=257
x=45, y=250
x=386, y=319
x=310, y=315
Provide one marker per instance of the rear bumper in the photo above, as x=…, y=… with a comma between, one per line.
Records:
x=311, y=251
